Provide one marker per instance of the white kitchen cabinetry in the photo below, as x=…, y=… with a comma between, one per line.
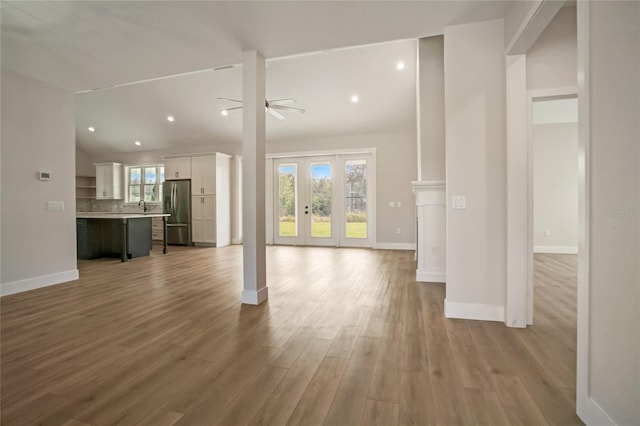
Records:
x=177, y=168
x=203, y=220
x=211, y=199
x=203, y=175
x=108, y=181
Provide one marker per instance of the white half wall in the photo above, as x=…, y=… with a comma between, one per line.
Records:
x=476, y=169
x=38, y=134
x=555, y=187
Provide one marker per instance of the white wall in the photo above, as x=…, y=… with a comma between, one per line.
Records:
x=84, y=164
x=552, y=60
x=396, y=167
x=476, y=169
x=555, y=179
x=431, y=129
x=614, y=275
x=38, y=134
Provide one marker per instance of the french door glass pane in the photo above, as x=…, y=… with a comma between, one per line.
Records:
x=135, y=176
x=321, y=200
x=288, y=199
x=355, y=182
x=134, y=193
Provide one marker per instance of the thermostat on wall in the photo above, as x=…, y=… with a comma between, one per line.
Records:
x=44, y=175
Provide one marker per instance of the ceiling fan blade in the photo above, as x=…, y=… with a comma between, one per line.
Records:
x=231, y=100
x=275, y=113
x=288, y=108
x=230, y=109
x=286, y=101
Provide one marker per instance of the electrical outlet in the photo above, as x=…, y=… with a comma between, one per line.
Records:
x=397, y=230
x=434, y=250
x=55, y=205
x=547, y=233
x=392, y=203
x=399, y=204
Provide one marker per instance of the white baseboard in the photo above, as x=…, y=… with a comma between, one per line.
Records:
x=255, y=297
x=431, y=277
x=556, y=249
x=593, y=414
x=395, y=246
x=236, y=241
x=473, y=311
x=38, y=282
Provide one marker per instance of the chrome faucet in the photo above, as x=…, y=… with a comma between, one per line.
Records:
x=144, y=204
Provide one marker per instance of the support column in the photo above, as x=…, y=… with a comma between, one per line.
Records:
x=429, y=189
x=253, y=158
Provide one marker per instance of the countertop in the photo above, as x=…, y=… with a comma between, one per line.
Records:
x=110, y=215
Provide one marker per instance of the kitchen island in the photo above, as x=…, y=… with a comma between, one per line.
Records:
x=127, y=235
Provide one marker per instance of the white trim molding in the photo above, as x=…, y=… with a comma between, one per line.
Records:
x=583, y=408
x=473, y=311
x=519, y=256
x=255, y=297
x=556, y=249
x=431, y=276
x=395, y=246
x=38, y=282
x=431, y=214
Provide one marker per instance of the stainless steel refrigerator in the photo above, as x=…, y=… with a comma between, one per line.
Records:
x=177, y=202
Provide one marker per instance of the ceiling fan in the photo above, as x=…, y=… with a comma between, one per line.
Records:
x=273, y=107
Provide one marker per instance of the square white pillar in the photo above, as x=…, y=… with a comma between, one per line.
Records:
x=253, y=158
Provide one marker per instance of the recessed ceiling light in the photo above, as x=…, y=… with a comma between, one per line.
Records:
x=138, y=143
x=92, y=129
x=224, y=112
x=400, y=65
x=355, y=99
x=170, y=118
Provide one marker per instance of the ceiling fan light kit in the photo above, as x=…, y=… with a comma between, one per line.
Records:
x=273, y=107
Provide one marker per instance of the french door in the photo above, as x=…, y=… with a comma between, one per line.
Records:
x=322, y=200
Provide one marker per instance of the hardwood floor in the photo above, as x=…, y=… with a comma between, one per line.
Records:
x=347, y=337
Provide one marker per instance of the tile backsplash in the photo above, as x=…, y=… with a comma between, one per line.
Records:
x=114, y=206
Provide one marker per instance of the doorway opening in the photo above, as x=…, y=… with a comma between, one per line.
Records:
x=324, y=200
x=554, y=146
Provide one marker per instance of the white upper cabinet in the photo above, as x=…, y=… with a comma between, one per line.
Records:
x=108, y=181
x=203, y=175
x=177, y=168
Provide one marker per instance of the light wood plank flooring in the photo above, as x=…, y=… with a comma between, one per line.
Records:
x=347, y=338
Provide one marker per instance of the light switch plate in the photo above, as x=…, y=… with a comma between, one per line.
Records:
x=459, y=202
x=55, y=205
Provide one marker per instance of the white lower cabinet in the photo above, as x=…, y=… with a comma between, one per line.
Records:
x=203, y=221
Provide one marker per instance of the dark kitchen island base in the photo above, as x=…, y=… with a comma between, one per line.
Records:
x=105, y=238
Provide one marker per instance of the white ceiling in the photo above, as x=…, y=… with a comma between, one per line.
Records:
x=87, y=45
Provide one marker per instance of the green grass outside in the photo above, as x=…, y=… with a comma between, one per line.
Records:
x=323, y=229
